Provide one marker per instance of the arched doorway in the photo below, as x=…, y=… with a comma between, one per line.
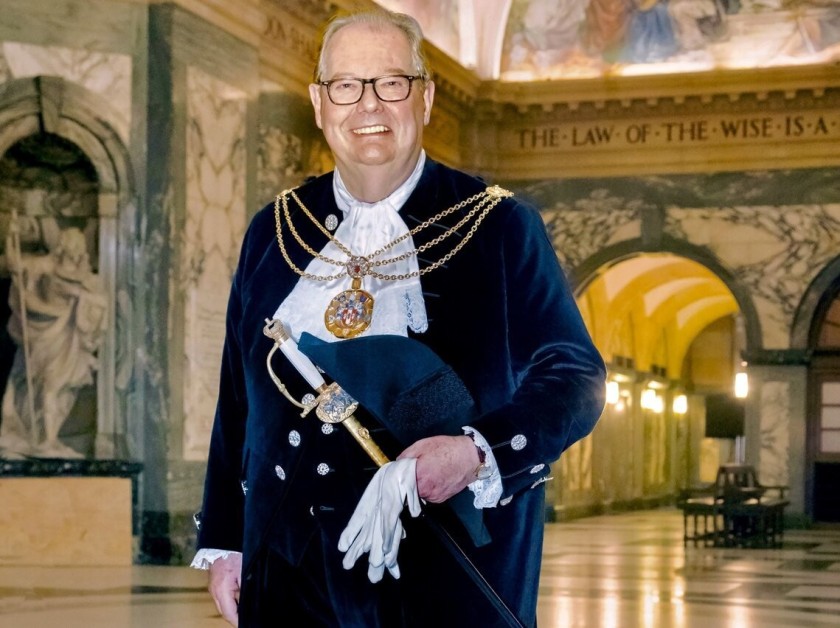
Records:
x=671, y=331
x=823, y=424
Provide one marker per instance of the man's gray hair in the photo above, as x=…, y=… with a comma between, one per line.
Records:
x=378, y=18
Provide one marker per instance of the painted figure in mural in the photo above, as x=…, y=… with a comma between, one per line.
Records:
x=451, y=269
x=553, y=24
x=549, y=32
x=605, y=26
x=650, y=33
x=58, y=320
x=696, y=22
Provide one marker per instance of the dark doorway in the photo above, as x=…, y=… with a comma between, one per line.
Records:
x=827, y=492
x=823, y=457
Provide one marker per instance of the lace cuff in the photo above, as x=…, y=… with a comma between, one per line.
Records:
x=488, y=491
x=207, y=556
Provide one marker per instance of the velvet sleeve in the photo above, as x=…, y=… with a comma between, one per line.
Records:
x=222, y=514
x=559, y=374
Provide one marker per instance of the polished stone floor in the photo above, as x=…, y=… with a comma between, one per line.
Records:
x=621, y=570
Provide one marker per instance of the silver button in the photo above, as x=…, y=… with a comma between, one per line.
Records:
x=294, y=438
x=331, y=222
x=327, y=428
x=541, y=481
x=281, y=473
x=518, y=442
x=537, y=468
x=323, y=468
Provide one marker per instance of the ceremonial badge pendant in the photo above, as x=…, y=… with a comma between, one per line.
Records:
x=350, y=312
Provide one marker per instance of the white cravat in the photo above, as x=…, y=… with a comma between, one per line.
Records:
x=398, y=305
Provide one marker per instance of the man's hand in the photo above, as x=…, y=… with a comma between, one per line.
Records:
x=445, y=465
x=225, y=576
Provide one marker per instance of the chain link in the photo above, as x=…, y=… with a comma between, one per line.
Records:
x=485, y=201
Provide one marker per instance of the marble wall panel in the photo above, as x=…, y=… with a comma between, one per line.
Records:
x=774, y=433
x=105, y=74
x=655, y=459
x=773, y=251
x=213, y=231
x=587, y=225
x=576, y=472
x=290, y=146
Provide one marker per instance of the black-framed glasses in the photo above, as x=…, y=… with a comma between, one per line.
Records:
x=390, y=88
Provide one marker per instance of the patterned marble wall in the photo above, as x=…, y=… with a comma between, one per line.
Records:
x=773, y=251
x=290, y=146
x=775, y=406
x=213, y=231
x=774, y=231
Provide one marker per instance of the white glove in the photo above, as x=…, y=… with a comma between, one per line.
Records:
x=375, y=526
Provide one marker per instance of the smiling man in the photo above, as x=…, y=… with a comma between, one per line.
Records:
x=390, y=263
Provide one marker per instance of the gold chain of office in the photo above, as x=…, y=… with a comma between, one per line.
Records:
x=357, y=266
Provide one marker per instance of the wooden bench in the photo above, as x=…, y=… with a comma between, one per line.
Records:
x=736, y=511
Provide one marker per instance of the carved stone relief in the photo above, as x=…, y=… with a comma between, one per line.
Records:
x=58, y=303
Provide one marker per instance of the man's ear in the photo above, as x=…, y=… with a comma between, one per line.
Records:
x=428, y=99
x=315, y=97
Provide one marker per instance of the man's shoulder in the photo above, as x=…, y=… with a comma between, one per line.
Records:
x=309, y=186
x=465, y=183
x=458, y=179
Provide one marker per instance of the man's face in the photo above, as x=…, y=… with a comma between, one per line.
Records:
x=372, y=132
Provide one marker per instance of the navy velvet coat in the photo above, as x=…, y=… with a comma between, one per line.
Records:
x=500, y=313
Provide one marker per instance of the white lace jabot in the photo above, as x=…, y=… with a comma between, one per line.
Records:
x=398, y=305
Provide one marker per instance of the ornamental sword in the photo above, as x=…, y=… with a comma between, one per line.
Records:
x=332, y=405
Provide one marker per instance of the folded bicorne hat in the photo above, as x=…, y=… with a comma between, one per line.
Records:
x=409, y=389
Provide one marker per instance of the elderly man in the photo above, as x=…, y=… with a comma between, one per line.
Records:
x=390, y=245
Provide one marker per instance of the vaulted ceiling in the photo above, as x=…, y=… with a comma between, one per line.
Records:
x=652, y=307
x=526, y=40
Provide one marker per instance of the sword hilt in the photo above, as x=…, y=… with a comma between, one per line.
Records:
x=334, y=404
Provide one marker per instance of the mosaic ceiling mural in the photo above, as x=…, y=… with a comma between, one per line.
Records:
x=584, y=38
x=555, y=39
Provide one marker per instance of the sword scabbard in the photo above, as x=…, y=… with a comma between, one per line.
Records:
x=362, y=436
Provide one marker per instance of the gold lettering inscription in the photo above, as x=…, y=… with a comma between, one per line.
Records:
x=288, y=36
x=712, y=130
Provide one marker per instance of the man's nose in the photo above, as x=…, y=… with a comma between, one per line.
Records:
x=369, y=99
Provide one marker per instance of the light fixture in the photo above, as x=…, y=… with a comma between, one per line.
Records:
x=658, y=404
x=652, y=401
x=742, y=385
x=680, y=404
x=613, y=392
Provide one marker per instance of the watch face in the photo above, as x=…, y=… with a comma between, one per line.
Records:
x=483, y=471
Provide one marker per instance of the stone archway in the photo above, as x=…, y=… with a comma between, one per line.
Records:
x=816, y=330
x=589, y=268
x=51, y=105
x=652, y=312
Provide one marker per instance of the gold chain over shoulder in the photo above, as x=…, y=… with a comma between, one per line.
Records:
x=351, y=311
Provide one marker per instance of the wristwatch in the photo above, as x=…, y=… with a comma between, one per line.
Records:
x=483, y=470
